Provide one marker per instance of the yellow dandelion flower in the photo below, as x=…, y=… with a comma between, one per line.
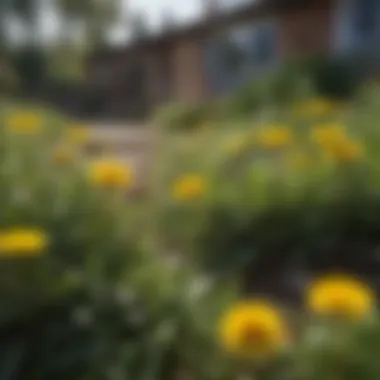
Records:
x=345, y=151
x=327, y=134
x=336, y=143
x=314, y=108
x=22, y=242
x=275, y=137
x=188, y=187
x=111, y=174
x=28, y=123
x=253, y=329
x=79, y=134
x=340, y=296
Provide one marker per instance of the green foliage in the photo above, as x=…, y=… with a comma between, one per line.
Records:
x=96, y=16
x=88, y=254
x=332, y=77
x=281, y=87
x=181, y=117
x=136, y=291
x=295, y=80
x=323, y=349
x=9, y=80
x=100, y=302
x=269, y=222
x=65, y=65
x=266, y=211
x=30, y=67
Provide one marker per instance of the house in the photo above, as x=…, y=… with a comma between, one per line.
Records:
x=215, y=55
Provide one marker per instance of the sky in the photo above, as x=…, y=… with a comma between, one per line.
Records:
x=182, y=11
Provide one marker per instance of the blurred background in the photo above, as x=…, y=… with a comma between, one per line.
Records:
x=120, y=60
x=50, y=49
x=176, y=180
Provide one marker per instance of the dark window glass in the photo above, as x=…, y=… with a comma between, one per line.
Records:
x=264, y=44
x=365, y=17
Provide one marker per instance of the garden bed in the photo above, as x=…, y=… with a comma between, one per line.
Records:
x=198, y=279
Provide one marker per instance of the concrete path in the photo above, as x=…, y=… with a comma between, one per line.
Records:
x=132, y=144
x=123, y=133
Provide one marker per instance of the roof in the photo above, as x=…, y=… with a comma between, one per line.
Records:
x=255, y=8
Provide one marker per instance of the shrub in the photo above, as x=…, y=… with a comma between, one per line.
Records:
x=83, y=293
x=181, y=117
x=329, y=78
x=333, y=77
x=329, y=340
x=87, y=293
x=275, y=89
x=8, y=80
x=287, y=197
x=63, y=248
x=30, y=67
x=295, y=80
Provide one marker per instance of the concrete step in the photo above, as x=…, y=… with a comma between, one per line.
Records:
x=131, y=145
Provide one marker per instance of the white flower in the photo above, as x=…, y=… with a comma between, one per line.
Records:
x=199, y=287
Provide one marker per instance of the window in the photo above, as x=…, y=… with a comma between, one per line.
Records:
x=365, y=17
x=264, y=44
x=257, y=42
x=358, y=24
x=238, y=54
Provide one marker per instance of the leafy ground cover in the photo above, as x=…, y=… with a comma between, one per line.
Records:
x=86, y=292
x=291, y=193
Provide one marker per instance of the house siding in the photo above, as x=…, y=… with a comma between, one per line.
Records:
x=188, y=75
x=300, y=31
x=306, y=31
x=179, y=69
x=224, y=72
x=158, y=77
